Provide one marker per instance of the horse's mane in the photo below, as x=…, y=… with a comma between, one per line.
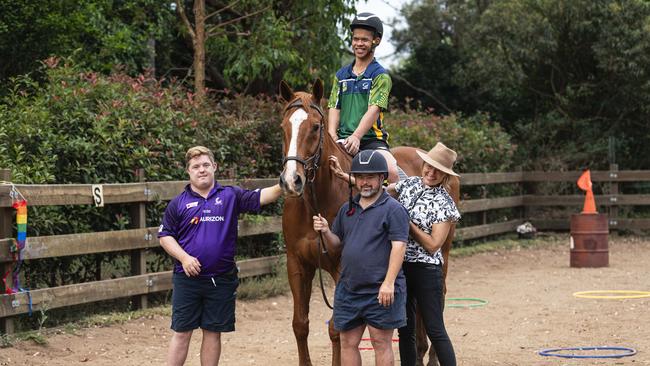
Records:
x=338, y=146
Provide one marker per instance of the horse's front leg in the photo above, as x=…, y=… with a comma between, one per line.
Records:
x=300, y=280
x=335, y=336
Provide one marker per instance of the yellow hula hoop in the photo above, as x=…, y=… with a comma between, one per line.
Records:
x=594, y=294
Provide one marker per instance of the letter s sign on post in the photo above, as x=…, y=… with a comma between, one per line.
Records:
x=98, y=195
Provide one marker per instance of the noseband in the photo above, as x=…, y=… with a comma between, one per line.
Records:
x=311, y=163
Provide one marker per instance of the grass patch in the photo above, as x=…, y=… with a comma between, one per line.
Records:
x=95, y=320
x=5, y=340
x=250, y=289
x=35, y=336
x=70, y=328
x=100, y=320
x=261, y=287
x=510, y=242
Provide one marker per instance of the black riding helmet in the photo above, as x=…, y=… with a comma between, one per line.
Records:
x=368, y=21
x=366, y=162
x=369, y=161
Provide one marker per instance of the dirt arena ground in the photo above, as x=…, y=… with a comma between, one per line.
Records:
x=531, y=307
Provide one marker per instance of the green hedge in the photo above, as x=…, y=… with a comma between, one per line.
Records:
x=79, y=126
x=481, y=144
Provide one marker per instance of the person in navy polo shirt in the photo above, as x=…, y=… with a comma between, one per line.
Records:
x=199, y=229
x=371, y=232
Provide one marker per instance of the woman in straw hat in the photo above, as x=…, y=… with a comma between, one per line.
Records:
x=432, y=212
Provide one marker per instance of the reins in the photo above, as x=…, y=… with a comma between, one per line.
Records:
x=311, y=165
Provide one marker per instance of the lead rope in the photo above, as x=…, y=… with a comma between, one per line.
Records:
x=321, y=246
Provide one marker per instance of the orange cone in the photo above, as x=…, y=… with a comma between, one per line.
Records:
x=584, y=182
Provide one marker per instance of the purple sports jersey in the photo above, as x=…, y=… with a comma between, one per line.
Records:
x=206, y=228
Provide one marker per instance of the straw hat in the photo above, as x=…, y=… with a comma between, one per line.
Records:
x=440, y=157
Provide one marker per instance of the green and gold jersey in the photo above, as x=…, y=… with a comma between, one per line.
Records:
x=352, y=95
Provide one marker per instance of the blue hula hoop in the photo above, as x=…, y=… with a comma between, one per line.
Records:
x=553, y=352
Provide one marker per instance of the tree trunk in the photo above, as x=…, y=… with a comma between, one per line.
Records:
x=199, y=50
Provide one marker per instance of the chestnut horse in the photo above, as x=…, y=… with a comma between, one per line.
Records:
x=311, y=188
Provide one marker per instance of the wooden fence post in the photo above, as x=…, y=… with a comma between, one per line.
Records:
x=521, y=191
x=484, y=196
x=139, y=257
x=613, y=191
x=6, y=225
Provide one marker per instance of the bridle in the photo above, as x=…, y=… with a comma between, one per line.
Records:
x=310, y=164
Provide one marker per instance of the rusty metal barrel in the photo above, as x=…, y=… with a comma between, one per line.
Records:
x=589, y=240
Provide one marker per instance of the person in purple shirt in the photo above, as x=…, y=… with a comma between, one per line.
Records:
x=199, y=229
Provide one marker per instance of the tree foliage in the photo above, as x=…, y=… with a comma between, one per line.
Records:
x=566, y=75
x=103, y=34
x=295, y=40
x=480, y=142
x=433, y=42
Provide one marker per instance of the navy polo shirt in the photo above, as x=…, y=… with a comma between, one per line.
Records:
x=366, y=237
x=206, y=228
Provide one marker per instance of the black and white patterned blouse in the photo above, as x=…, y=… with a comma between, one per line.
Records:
x=426, y=206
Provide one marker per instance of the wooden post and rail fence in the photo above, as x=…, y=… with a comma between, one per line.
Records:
x=139, y=238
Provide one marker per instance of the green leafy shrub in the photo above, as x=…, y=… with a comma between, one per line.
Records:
x=481, y=144
x=79, y=126
x=554, y=142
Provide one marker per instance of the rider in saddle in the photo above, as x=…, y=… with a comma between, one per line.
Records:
x=360, y=95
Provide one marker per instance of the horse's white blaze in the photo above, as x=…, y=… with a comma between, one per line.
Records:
x=296, y=119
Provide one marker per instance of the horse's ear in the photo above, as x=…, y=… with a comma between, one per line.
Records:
x=286, y=93
x=317, y=90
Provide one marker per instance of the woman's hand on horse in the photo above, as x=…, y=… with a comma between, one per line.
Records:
x=386, y=294
x=335, y=166
x=320, y=224
x=191, y=266
x=351, y=144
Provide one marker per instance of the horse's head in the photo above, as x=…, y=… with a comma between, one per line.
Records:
x=303, y=125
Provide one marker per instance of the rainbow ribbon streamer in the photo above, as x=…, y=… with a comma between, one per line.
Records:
x=20, y=205
x=21, y=223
